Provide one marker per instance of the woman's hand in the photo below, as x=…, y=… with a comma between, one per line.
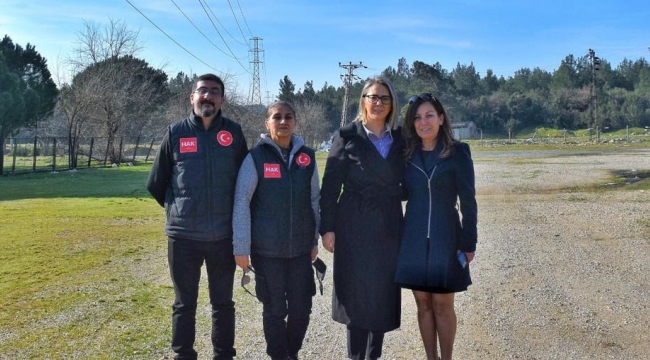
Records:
x=328, y=241
x=314, y=253
x=242, y=261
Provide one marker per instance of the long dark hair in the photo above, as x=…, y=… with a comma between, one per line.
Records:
x=445, y=134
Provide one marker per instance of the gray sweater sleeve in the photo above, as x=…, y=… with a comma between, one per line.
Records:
x=241, y=217
x=315, y=201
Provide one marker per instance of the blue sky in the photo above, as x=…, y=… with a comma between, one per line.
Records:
x=306, y=40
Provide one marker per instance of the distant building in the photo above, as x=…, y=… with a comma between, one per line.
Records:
x=465, y=130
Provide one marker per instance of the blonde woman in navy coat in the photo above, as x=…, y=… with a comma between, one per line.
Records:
x=361, y=218
x=437, y=246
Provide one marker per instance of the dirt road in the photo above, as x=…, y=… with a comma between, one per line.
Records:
x=562, y=272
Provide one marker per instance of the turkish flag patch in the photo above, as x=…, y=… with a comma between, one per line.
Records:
x=189, y=145
x=224, y=138
x=303, y=160
x=272, y=171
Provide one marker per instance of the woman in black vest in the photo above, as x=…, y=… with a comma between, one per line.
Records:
x=362, y=224
x=437, y=245
x=275, y=221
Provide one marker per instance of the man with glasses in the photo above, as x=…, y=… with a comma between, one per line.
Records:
x=193, y=177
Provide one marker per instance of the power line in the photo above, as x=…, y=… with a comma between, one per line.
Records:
x=347, y=81
x=199, y=30
x=245, y=43
x=266, y=84
x=170, y=38
x=237, y=21
x=242, y=15
x=222, y=39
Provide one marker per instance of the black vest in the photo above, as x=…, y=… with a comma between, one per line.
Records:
x=282, y=219
x=200, y=197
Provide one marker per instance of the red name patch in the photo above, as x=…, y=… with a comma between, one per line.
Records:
x=189, y=145
x=272, y=171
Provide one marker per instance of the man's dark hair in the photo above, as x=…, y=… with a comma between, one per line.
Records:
x=211, y=77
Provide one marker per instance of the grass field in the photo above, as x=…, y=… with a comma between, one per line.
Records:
x=70, y=244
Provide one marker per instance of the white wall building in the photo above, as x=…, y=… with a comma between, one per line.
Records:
x=465, y=130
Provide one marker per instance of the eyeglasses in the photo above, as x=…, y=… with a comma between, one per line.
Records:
x=373, y=99
x=320, y=268
x=204, y=91
x=424, y=96
x=246, y=279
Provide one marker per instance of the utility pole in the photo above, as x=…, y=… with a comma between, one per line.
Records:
x=595, y=65
x=347, y=82
x=256, y=96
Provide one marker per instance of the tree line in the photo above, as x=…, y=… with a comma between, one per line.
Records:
x=104, y=89
x=580, y=94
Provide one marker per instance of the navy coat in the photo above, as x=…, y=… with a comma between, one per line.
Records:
x=433, y=229
x=366, y=220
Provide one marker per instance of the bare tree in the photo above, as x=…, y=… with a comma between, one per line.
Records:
x=74, y=103
x=312, y=121
x=310, y=115
x=132, y=94
x=178, y=104
x=90, y=77
x=250, y=117
x=96, y=43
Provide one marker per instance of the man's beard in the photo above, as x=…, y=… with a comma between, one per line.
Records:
x=207, y=111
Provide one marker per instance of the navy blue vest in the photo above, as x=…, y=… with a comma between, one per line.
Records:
x=282, y=219
x=200, y=197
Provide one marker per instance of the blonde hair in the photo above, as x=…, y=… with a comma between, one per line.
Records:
x=393, y=115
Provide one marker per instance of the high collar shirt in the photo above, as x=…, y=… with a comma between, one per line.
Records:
x=382, y=142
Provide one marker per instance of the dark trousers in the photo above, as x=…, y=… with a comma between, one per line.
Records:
x=285, y=287
x=362, y=343
x=186, y=257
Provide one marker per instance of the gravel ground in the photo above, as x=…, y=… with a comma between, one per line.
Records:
x=560, y=272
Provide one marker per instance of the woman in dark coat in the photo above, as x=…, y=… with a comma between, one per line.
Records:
x=436, y=246
x=363, y=226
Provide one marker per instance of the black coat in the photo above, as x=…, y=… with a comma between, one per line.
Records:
x=366, y=220
x=433, y=229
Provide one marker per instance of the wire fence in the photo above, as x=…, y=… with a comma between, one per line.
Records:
x=36, y=154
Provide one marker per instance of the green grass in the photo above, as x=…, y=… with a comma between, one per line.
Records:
x=122, y=182
x=321, y=159
x=548, y=138
x=617, y=181
x=79, y=252
x=583, y=134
